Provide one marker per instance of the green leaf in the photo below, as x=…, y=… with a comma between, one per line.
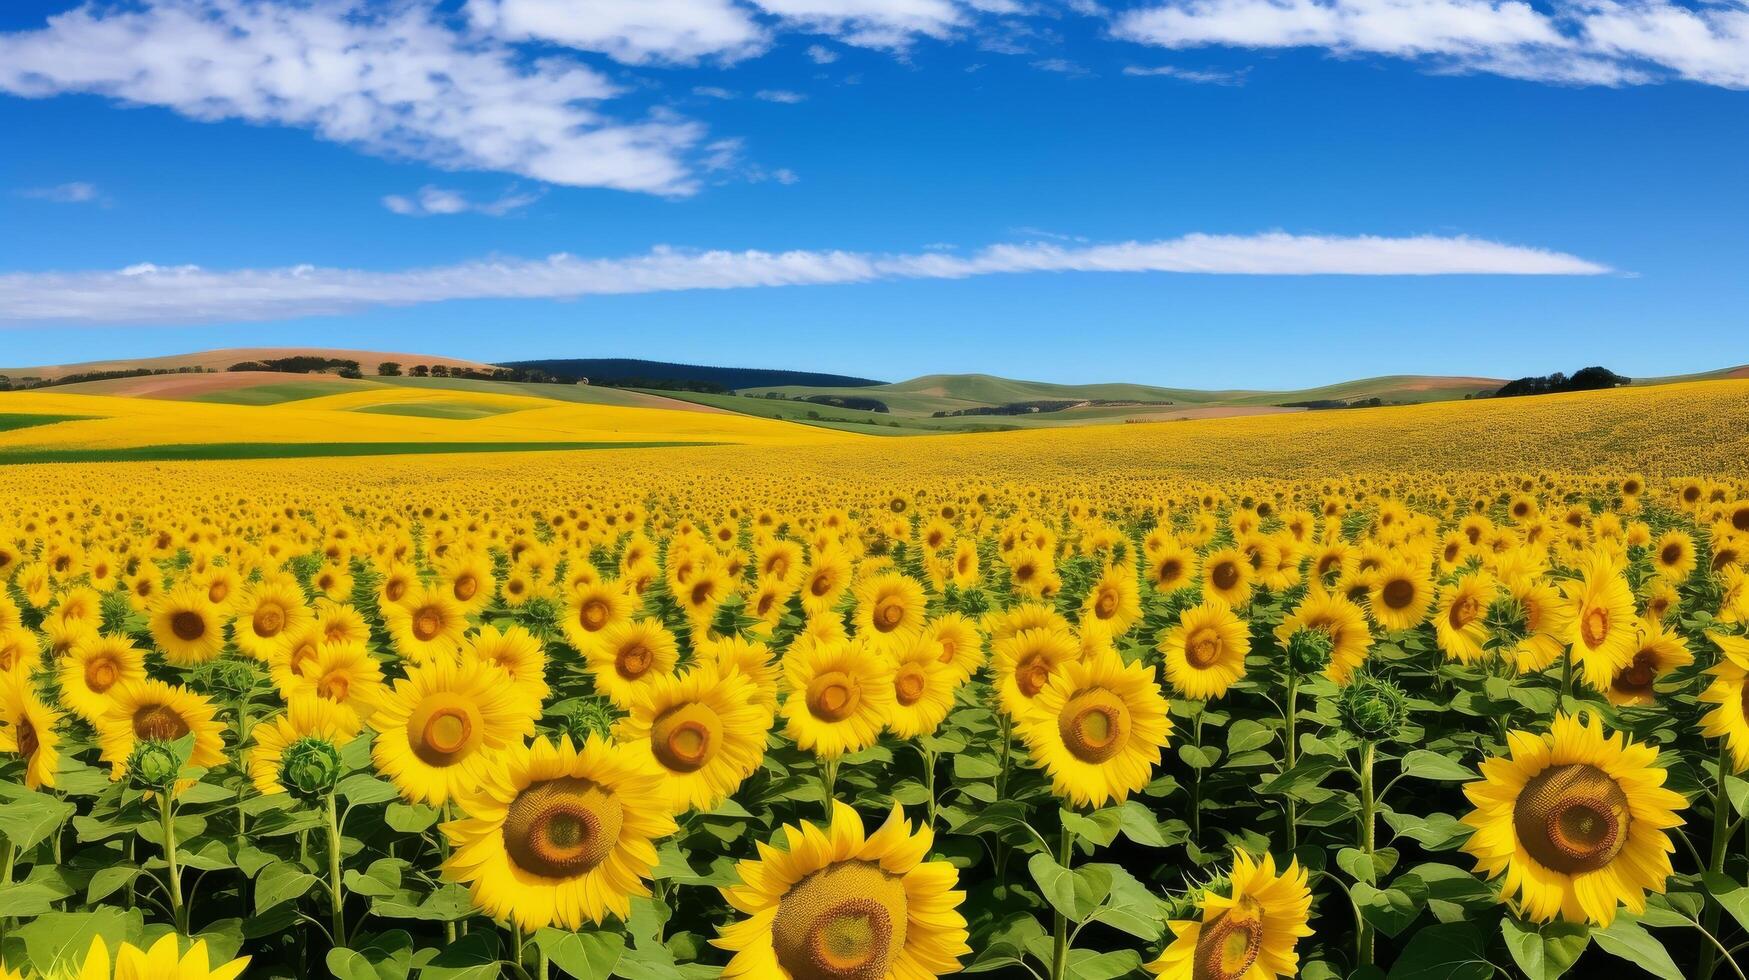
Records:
x=1390, y=910
x=27, y=817
x=1307, y=774
x=473, y=957
x=1423, y=764
x=1361, y=868
x=1139, y=824
x=1085, y=964
x=1627, y=939
x=1452, y=951
x=60, y=940
x=386, y=957
x=584, y=955
x=1546, y=952
x=414, y=818
x=1100, y=826
x=1731, y=896
x=107, y=881
x=1195, y=757
x=281, y=882
x=1072, y=893
x=1246, y=735
x=363, y=789
x=27, y=899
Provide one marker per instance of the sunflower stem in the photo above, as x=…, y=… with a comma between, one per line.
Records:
x=1566, y=676
x=1716, y=859
x=443, y=856
x=335, y=890
x=1363, y=934
x=1060, y=931
x=166, y=815
x=543, y=968
x=242, y=788
x=6, y=883
x=829, y=783
x=1290, y=719
x=1196, y=788
x=929, y=782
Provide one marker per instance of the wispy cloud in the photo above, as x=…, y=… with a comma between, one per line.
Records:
x=74, y=192
x=149, y=293
x=631, y=31
x=1198, y=76
x=784, y=96
x=390, y=80
x=433, y=200
x=1587, y=42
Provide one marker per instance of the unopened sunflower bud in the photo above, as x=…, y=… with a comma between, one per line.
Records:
x=310, y=767
x=1373, y=709
x=154, y=765
x=1308, y=650
x=591, y=717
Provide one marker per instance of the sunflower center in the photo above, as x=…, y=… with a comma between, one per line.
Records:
x=1594, y=627
x=1572, y=818
x=846, y=921
x=1228, y=947
x=1203, y=649
x=593, y=615
x=1638, y=676
x=1094, y=725
x=634, y=661
x=1032, y=675
x=1170, y=570
x=188, y=625
x=395, y=589
x=218, y=591
x=465, y=587
x=1465, y=611
x=443, y=729
x=427, y=624
x=101, y=673
x=333, y=687
x=701, y=593
x=1671, y=554
x=833, y=696
x=820, y=585
x=269, y=620
x=948, y=649
x=686, y=738
x=159, y=723
x=562, y=828
x=889, y=613
x=1398, y=593
x=1225, y=575
x=909, y=685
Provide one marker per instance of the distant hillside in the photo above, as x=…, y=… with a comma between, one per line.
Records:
x=625, y=370
x=219, y=360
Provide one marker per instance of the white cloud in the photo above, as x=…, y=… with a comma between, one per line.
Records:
x=887, y=24
x=148, y=293
x=780, y=95
x=74, y=192
x=1592, y=42
x=632, y=31
x=432, y=200
x=1199, y=76
x=819, y=54
x=393, y=81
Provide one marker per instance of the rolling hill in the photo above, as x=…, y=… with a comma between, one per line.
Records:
x=219, y=360
x=625, y=370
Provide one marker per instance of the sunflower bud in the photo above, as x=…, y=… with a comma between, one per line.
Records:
x=310, y=767
x=591, y=716
x=154, y=765
x=1308, y=650
x=233, y=678
x=1373, y=709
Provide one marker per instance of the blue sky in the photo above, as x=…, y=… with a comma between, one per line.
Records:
x=890, y=187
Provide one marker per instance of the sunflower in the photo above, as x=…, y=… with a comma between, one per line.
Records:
x=1343, y=621
x=341, y=622
x=154, y=710
x=750, y=658
x=966, y=564
x=267, y=617
x=426, y=625
x=559, y=834
x=923, y=689
x=1604, y=626
x=469, y=581
x=1401, y=594
x=161, y=962
x=1575, y=821
x=957, y=643
x=1097, y=729
x=1545, y=625
x=703, y=730
x=840, y=695
x=93, y=669
x=344, y=673
x=1205, y=653
x=399, y=581
x=704, y=594
x=1674, y=556
x=826, y=580
x=1027, y=661
x=837, y=904
x=443, y=728
x=1730, y=691
x=187, y=627
x=1660, y=651
x=20, y=653
x=1460, y=621
x=1248, y=933
x=80, y=605
x=332, y=580
x=1114, y=604
x=519, y=655
x=629, y=655
x=27, y=728
x=889, y=611
x=593, y=611
x=1226, y=573
x=305, y=717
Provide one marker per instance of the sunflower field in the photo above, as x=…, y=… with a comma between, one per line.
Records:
x=1008, y=707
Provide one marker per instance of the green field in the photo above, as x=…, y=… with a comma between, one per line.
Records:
x=438, y=410
x=832, y=417
x=301, y=450
x=20, y=420
x=280, y=392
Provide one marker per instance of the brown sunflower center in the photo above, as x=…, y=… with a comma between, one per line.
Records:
x=1572, y=818
x=846, y=921
x=1228, y=947
x=1398, y=593
x=820, y=584
x=1671, y=554
x=27, y=740
x=218, y=590
x=268, y=620
x=593, y=615
x=1106, y=605
x=101, y=673
x=833, y=696
x=188, y=625
x=443, y=729
x=466, y=585
x=1637, y=677
x=333, y=687
x=686, y=738
x=427, y=623
x=949, y=647
x=1203, y=648
x=1032, y=675
x=1594, y=626
x=1466, y=610
x=159, y=722
x=910, y=684
x=1094, y=725
x=563, y=827
x=889, y=613
x=1225, y=575
x=634, y=661
x=395, y=589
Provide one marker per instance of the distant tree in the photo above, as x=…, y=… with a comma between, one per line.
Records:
x=1585, y=379
x=389, y=369
x=440, y=370
x=420, y=371
x=350, y=372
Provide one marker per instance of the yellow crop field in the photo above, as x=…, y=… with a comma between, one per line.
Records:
x=1452, y=689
